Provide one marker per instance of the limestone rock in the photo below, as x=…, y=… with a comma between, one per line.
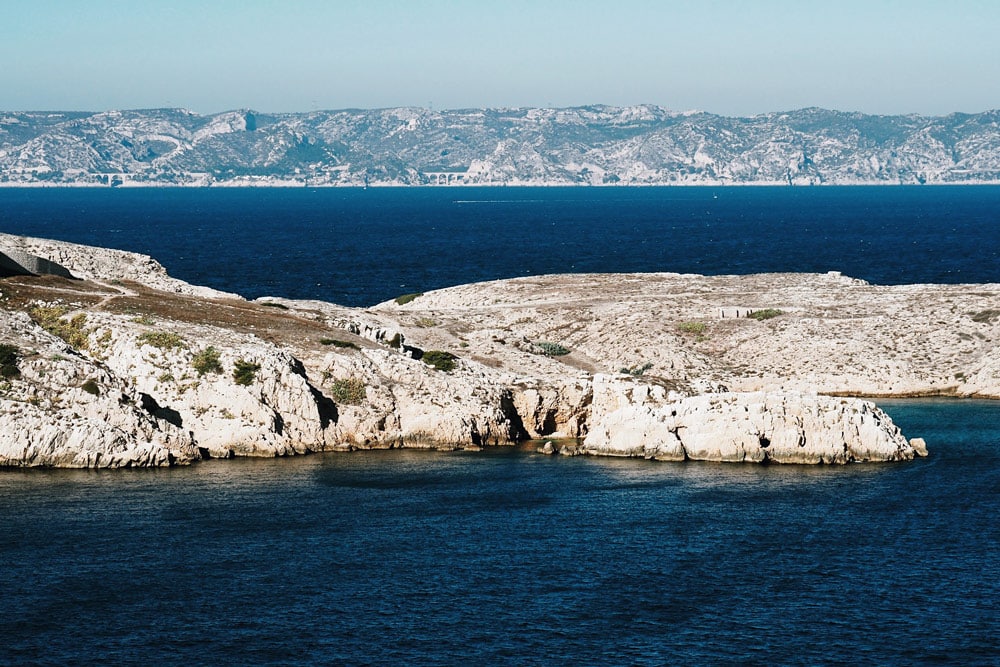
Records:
x=781, y=427
x=418, y=406
x=65, y=410
x=159, y=380
x=106, y=264
x=919, y=446
x=275, y=412
x=559, y=410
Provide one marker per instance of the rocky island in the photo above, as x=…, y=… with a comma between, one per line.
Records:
x=109, y=362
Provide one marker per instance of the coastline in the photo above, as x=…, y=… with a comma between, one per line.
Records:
x=659, y=366
x=492, y=185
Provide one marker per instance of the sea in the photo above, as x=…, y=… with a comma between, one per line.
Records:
x=507, y=556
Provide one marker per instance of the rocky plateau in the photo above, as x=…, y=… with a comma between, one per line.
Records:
x=122, y=365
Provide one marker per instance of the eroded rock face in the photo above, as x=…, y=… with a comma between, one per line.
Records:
x=408, y=403
x=273, y=411
x=781, y=427
x=64, y=410
x=557, y=410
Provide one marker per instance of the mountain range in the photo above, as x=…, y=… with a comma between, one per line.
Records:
x=590, y=145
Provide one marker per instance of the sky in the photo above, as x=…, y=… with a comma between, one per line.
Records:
x=730, y=57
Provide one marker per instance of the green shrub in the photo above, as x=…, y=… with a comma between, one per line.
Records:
x=90, y=386
x=207, y=361
x=164, y=340
x=637, y=371
x=765, y=314
x=9, y=356
x=339, y=343
x=144, y=319
x=550, y=349
x=442, y=361
x=404, y=299
x=697, y=328
x=51, y=319
x=245, y=372
x=350, y=391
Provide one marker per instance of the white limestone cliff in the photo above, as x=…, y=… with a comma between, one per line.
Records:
x=64, y=410
x=780, y=427
x=138, y=391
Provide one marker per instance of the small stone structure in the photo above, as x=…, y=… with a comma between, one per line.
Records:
x=732, y=312
x=18, y=263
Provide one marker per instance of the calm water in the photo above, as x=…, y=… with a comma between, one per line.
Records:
x=507, y=556
x=513, y=557
x=359, y=247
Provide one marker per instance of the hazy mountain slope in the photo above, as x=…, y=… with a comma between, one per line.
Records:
x=407, y=146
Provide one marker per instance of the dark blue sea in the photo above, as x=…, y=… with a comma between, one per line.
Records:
x=358, y=247
x=507, y=556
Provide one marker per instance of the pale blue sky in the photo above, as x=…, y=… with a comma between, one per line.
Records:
x=723, y=56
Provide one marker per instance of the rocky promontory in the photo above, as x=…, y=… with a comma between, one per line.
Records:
x=109, y=362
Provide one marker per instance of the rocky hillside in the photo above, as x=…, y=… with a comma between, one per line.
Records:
x=594, y=145
x=121, y=365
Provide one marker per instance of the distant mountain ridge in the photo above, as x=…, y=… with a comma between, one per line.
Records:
x=590, y=145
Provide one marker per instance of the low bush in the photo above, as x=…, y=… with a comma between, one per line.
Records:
x=697, y=328
x=350, y=391
x=245, y=372
x=404, y=299
x=551, y=349
x=442, y=361
x=90, y=386
x=765, y=314
x=164, y=340
x=986, y=316
x=207, y=361
x=637, y=371
x=339, y=343
x=9, y=356
x=51, y=319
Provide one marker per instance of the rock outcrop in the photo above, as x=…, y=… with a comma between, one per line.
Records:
x=779, y=427
x=125, y=366
x=64, y=410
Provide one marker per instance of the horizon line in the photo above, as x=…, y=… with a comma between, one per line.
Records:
x=430, y=109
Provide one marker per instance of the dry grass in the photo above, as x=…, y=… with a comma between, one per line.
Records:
x=139, y=302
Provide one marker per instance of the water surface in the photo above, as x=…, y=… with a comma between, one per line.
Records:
x=511, y=556
x=359, y=247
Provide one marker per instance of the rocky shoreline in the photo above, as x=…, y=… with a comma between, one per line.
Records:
x=122, y=365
